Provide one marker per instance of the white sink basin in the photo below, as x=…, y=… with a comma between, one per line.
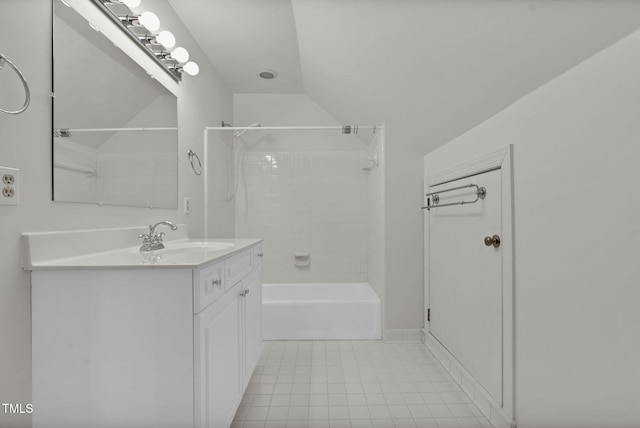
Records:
x=191, y=247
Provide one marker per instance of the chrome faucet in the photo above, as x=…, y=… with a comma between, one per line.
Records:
x=153, y=241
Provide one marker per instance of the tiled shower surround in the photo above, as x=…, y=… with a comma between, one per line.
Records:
x=144, y=174
x=126, y=179
x=312, y=202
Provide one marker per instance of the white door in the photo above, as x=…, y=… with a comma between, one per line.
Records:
x=465, y=278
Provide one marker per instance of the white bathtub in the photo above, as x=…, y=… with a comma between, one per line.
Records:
x=320, y=312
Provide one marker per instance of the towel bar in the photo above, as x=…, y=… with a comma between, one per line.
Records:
x=481, y=192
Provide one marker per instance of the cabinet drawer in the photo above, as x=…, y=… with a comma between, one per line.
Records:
x=210, y=285
x=238, y=266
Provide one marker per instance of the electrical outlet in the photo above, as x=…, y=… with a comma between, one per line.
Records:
x=187, y=205
x=10, y=186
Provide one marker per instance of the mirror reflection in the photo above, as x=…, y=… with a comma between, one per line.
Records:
x=115, y=128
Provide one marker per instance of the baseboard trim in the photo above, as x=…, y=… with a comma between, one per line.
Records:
x=487, y=405
x=414, y=335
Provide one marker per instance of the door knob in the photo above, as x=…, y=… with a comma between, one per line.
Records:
x=492, y=240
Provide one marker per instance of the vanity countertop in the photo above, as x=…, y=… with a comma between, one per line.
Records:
x=132, y=258
x=66, y=251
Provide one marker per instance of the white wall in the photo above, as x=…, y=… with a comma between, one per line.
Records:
x=577, y=240
x=403, y=232
x=25, y=143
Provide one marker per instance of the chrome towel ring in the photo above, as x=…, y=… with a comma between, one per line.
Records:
x=191, y=154
x=3, y=61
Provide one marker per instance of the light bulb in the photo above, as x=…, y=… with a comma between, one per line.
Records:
x=150, y=21
x=180, y=54
x=191, y=68
x=131, y=4
x=166, y=39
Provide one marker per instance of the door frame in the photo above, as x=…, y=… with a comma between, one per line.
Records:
x=501, y=159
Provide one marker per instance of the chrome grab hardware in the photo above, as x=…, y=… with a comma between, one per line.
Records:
x=153, y=241
x=192, y=155
x=260, y=254
x=217, y=282
x=433, y=198
x=244, y=292
x=492, y=240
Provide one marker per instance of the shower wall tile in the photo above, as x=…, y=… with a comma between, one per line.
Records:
x=306, y=202
x=125, y=179
x=72, y=185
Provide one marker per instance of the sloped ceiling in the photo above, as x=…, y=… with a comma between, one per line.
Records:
x=243, y=37
x=431, y=68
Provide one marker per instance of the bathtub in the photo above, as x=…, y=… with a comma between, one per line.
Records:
x=320, y=312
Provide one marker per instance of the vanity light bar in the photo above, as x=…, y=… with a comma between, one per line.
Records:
x=141, y=29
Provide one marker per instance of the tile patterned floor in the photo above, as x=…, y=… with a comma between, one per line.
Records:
x=353, y=384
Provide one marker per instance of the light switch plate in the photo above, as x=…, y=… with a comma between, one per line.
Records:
x=9, y=186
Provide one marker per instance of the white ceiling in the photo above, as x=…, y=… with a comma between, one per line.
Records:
x=433, y=68
x=243, y=37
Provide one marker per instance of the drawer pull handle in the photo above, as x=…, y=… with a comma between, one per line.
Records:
x=217, y=282
x=243, y=293
x=260, y=254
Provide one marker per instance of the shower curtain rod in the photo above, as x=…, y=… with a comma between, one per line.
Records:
x=118, y=129
x=288, y=128
x=350, y=128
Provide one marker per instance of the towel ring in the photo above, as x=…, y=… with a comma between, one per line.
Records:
x=3, y=61
x=191, y=154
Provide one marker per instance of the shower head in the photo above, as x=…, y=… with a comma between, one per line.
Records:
x=239, y=133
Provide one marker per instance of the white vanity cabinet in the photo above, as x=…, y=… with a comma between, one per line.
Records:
x=227, y=350
x=164, y=347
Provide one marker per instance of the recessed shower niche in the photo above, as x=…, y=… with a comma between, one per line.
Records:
x=115, y=138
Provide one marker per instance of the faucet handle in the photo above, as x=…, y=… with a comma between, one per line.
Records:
x=143, y=236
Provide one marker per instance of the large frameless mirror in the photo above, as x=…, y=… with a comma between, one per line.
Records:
x=115, y=138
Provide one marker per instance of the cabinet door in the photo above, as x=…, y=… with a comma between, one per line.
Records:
x=218, y=369
x=252, y=285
